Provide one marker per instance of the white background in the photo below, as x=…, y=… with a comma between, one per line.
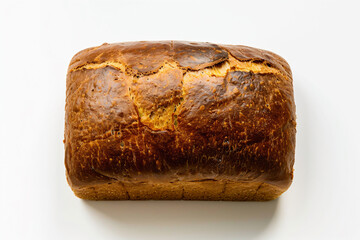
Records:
x=320, y=40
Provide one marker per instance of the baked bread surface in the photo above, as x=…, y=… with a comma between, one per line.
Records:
x=179, y=120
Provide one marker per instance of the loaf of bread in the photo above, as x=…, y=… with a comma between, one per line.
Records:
x=179, y=120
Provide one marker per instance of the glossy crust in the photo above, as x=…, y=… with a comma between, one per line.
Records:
x=162, y=116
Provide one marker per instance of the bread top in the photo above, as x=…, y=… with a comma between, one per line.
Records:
x=148, y=57
x=179, y=110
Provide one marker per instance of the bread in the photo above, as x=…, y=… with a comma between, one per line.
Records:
x=179, y=120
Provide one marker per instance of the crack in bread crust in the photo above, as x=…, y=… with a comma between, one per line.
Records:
x=227, y=65
x=218, y=70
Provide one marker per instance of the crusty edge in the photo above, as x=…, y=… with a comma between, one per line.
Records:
x=248, y=64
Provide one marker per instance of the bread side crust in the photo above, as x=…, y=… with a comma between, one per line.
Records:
x=203, y=190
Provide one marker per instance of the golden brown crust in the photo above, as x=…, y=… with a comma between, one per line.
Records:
x=179, y=112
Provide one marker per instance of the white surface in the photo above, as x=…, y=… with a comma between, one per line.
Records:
x=320, y=40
